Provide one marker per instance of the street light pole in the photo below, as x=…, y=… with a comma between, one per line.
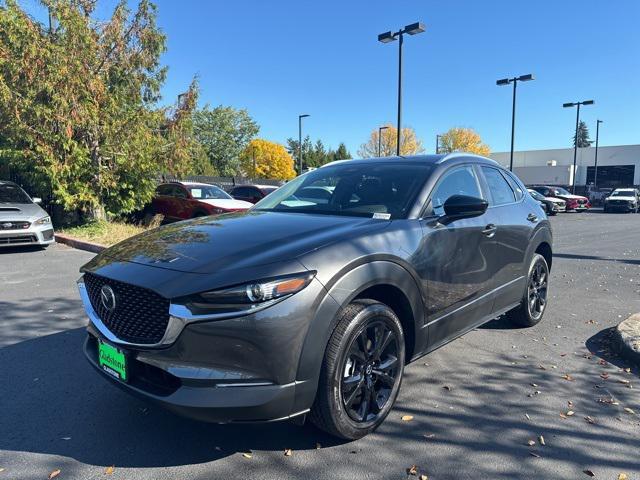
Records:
x=438, y=144
x=300, y=117
x=595, y=170
x=507, y=81
x=388, y=37
x=575, y=138
x=380, y=140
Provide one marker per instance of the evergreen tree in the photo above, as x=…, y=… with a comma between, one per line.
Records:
x=583, y=136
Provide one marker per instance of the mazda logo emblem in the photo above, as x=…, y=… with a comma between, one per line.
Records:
x=7, y=225
x=108, y=298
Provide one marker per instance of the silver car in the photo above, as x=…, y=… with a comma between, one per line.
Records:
x=22, y=220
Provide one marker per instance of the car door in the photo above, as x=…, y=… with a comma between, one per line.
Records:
x=515, y=218
x=454, y=260
x=161, y=201
x=181, y=204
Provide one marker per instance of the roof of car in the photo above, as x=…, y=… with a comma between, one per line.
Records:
x=7, y=182
x=255, y=185
x=190, y=184
x=438, y=159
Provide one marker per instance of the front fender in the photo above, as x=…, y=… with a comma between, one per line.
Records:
x=340, y=293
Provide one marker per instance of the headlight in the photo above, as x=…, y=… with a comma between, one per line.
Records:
x=43, y=221
x=250, y=296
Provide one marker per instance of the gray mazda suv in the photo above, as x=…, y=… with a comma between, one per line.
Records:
x=310, y=304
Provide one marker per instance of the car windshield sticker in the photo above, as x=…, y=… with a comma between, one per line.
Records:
x=382, y=216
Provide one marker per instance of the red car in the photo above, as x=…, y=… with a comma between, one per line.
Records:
x=182, y=200
x=574, y=202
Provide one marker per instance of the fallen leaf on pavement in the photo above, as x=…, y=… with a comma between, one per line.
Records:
x=247, y=455
x=406, y=418
x=1, y=470
x=624, y=382
x=590, y=420
x=110, y=470
x=447, y=387
x=589, y=473
x=287, y=452
x=527, y=415
x=568, y=378
x=412, y=470
x=534, y=454
x=629, y=410
x=604, y=375
x=623, y=476
x=429, y=435
x=531, y=443
x=541, y=440
x=54, y=474
x=570, y=413
x=423, y=477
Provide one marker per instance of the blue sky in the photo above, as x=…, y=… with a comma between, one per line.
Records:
x=281, y=58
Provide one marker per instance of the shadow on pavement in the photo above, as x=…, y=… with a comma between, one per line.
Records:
x=573, y=256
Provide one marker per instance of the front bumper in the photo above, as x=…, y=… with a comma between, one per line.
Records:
x=621, y=207
x=240, y=369
x=34, y=235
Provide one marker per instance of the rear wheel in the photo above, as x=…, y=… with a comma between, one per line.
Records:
x=361, y=372
x=534, y=301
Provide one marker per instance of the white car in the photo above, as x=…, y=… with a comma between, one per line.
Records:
x=623, y=199
x=22, y=220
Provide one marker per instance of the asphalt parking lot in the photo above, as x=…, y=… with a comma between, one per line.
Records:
x=476, y=403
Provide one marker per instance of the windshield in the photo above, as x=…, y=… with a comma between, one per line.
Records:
x=536, y=195
x=561, y=191
x=354, y=189
x=208, y=192
x=13, y=194
x=623, y=193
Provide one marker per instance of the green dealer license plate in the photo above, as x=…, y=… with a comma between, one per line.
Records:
x=112, y=361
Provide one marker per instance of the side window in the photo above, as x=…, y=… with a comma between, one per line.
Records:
x=501, y=192
x=179, y=192
x=515, y=186
x=459, y=181
x=164, y=190
x=242, y=192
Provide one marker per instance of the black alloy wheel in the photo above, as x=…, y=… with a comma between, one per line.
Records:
x=370, y=370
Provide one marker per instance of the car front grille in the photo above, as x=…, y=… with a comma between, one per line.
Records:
x=622, y=203
x=17, y=239
x=140, y=315
x=11, y=225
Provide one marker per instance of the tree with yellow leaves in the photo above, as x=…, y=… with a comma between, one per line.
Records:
x=459, y=139
x=410, y=144
x=265, y=159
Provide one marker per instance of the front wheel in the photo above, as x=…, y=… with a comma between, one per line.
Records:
x=534, y=300
x=361, y=371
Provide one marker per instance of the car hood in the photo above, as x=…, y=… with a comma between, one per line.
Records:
x=228, y=203
x=554, y=200
x=237, y=240
x=620, y=197
x=21, y=211
x=572, y=197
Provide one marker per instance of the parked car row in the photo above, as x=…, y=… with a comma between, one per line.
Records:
x=560, y=199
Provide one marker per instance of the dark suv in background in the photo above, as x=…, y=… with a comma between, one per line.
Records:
x=301, y=305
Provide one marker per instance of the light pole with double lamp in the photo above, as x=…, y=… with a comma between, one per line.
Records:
x=380, y=140
x=595, y=167
x=388, y=37
x=507, y=81
x=300, y=117
x=575, y=138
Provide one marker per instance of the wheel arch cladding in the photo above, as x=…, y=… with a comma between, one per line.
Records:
x=544, y=249
x=384, y=281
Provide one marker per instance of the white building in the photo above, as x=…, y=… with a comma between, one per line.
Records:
x=618, y=166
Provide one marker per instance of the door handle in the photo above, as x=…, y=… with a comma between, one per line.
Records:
x=532, y=217
x=489, y=230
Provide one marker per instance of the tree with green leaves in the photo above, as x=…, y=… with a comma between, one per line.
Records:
x=341, y=153
x=224, y=132
x=78, y=105
x=583, y=136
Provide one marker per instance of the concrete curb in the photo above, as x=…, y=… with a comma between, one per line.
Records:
x=79, y=244
x=627, y=338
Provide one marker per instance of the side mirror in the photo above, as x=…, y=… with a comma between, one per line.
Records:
x=36, y=199
x=463, y=206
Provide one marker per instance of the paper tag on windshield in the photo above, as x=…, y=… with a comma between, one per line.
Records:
x=381, y=216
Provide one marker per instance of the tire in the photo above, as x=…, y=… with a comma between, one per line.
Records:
x=605, y=210
x=528, y=314
x=347, y=373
